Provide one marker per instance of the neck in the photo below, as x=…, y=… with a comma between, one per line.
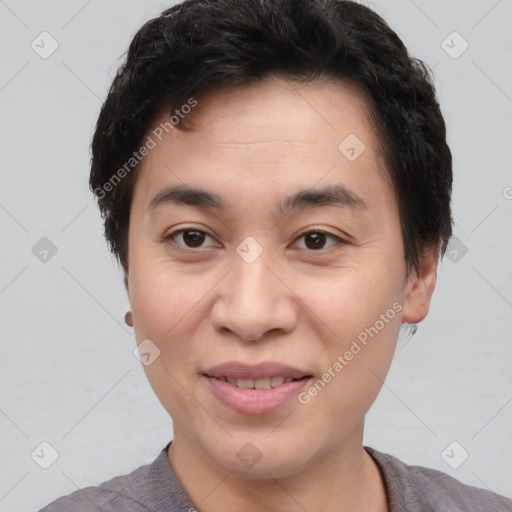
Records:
x=345, y=479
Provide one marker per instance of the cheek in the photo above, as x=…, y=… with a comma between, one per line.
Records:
x=358, y=362
x=362, y=311
x=162, y=294
x=350, y=300
x=169, y=302
x=166, y=304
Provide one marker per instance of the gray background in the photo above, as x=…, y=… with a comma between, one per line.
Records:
x=68, y=375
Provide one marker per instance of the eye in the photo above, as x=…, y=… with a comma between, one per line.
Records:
x=316, y=239
x=194, y=238
x=191, y=238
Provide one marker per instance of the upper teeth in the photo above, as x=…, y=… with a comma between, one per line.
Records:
x=258, y=383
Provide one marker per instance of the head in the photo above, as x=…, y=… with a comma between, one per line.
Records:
x=275, y=183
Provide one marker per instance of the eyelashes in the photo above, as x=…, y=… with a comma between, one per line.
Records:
x=196, y=237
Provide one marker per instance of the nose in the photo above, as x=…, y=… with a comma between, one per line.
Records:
x=254, y=302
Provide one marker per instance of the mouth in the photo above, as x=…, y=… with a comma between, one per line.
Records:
x=259, y=376
x=264, y=383
x=255, y=389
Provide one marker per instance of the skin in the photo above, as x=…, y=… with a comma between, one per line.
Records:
x=201, y=306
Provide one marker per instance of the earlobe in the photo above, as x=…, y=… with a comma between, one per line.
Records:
x=420, y=286
x=128, y=317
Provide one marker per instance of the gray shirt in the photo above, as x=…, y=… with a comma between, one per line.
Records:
x=155, y=487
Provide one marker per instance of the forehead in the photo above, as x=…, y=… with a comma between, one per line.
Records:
x=270, y=134
x=276, y=112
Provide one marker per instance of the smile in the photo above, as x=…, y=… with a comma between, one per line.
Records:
x=266, y=383
x=254, y=389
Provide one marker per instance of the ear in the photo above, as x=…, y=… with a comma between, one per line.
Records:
x=420, y=286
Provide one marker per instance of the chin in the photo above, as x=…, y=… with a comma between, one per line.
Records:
x=260, y=457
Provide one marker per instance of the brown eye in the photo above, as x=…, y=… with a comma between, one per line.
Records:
x=193, y=238
x=190, y=238
x=315, y=240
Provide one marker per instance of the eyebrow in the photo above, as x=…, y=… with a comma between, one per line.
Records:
x=333, y=195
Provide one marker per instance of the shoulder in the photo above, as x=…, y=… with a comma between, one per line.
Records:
x=123, y=492
x=147, y=488
x=422, y=489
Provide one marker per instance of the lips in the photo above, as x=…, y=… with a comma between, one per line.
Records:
x=255, y=389
x=246, y=376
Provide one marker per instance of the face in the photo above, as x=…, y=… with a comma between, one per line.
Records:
x=272, y=296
